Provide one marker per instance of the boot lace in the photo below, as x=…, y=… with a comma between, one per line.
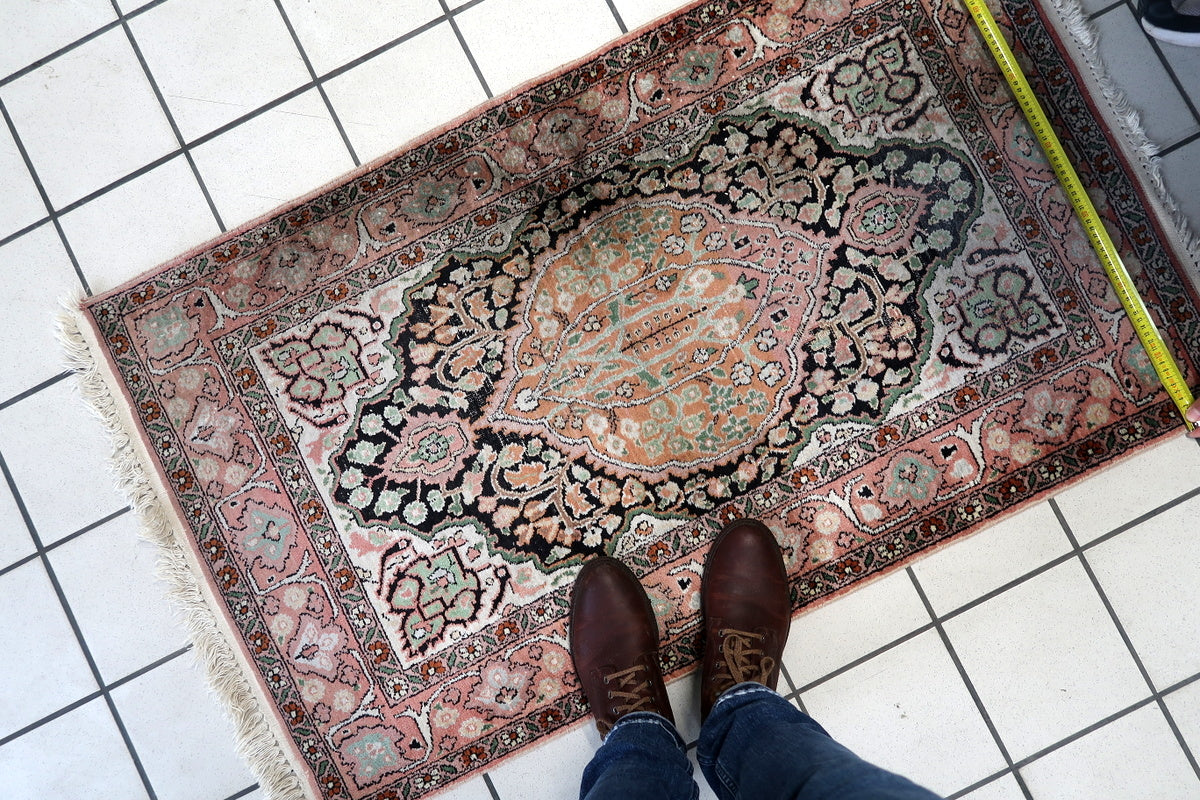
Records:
x=742, y=660
x=626, y=686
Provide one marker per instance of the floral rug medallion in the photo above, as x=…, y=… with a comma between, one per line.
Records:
x=800, y=261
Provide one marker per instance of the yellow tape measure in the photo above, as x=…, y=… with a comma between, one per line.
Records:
x=1164, y=365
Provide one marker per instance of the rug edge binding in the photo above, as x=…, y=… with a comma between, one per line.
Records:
x=1082, y=39
x=258, y=741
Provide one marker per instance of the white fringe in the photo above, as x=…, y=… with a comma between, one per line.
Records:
x=1083, y=43
x=257, y=740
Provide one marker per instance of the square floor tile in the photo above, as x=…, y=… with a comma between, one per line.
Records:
x=33, y=30
x=1134, y=67
x=217, y=60
x=1179, y=169
x=973, y=566
x=20, y=203
x=40, y=658
x=38, y=276
x=88, y=118
x=335, y=32
x=1130, y=488
x=1184, y=705
x=852, y=625
x=427, y=81
x=1134, y=756
x=1003, y=788
x=552, y=768
x=80, y=754
x=1046, y=659
x=514, y=41
x=15, y=541
x=163, y=211
x=180, y=732
x=58, y=454
x=1150, y=575
x=122, y=608
x=636, y=13
x=272, y=159
x=908, y=711
x=1185, y=63
x=684, y=694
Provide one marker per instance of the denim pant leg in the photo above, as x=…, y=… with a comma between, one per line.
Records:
x=758, y=746
x=642, y=757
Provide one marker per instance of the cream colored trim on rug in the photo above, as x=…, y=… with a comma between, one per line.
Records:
x=258, y=737
x=1082, y=42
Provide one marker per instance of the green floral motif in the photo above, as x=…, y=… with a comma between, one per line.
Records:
x=911, y=481
x=880, y=83
x=320, y=368
x=697, y=68
x=1003, y=305
x=433, y=593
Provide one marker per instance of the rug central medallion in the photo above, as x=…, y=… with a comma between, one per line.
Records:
x=681, y=327
x=663, y=337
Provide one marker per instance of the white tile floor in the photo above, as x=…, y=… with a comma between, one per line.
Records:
x=1054, y=656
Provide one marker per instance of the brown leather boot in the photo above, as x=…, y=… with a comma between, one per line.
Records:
x=614, y=643
x=747, y=611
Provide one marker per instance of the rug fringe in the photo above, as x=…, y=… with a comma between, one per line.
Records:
x=1079, y=31
x=257, y=742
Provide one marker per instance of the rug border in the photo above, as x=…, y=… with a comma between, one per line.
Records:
x=258, y=732
x=1080, y=39
x=260, y=736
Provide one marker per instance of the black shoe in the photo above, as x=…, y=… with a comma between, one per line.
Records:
x=1160, y=19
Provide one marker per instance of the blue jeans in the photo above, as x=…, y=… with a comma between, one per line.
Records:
x=754, y=745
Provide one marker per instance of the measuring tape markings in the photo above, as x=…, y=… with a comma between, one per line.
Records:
x=1135, y=308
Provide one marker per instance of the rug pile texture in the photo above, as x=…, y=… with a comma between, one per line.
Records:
x=801, y=261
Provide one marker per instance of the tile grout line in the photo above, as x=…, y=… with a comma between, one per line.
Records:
x=67, y=709
x=858, y=662
x=783, y=670
x=966, y=679
x=462, y=42
x=53, y=216
x=979, y=784
x=1012, y=584
x=184, y=148
x=320, y=87
x=32, y=390
x=232, y=124
x=82, y=40
x=78, y=632
x=1097, y=14
x=1184, y=142
x=70, y=537
x=243, y=792
x=82, y=701
x=617, y=16
x=1089, y=729
x=1137, y=659
x=1166, y=65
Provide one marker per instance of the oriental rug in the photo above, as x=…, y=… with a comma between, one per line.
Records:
x=801, y=261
